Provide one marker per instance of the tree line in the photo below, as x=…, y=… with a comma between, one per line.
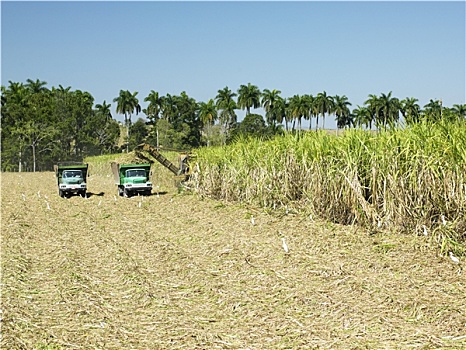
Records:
x=42, y=126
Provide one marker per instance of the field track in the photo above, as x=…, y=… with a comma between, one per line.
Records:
x=173, y=271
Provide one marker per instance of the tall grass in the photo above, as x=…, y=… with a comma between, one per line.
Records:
x=401, y=179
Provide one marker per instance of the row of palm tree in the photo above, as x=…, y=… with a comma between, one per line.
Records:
x=380, y=111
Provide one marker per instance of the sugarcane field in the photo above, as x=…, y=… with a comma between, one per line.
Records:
x=300, y=242
x=234, y=175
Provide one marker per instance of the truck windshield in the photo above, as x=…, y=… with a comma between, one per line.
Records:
x=72, y=173
x=136, y=173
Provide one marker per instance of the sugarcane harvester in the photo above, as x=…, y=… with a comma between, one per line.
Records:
x=181, y=173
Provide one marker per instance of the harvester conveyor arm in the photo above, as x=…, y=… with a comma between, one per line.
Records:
x=160, y=158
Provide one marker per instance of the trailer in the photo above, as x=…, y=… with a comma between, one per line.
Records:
x=132, y=179
x=71, y=178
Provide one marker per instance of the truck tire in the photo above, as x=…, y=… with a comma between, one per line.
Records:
x=61, y=194
x=120, y=191
x=126, y=193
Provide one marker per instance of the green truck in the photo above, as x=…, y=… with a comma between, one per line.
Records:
x=132, y=179
x=71, y=178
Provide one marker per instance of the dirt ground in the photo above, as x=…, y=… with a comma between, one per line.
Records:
x=174, y=271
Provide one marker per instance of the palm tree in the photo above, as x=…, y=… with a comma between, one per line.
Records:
x=289, y=113
x=342, y=111
x=61, y=91
x=169, y=108
x=248, y=96
x=226, y=105
x=36, y=86
x=292, y=110
x=272, y=102
x=127, y=104
x=208, y=112
x=433, y=110
x=16, y=93
x=373, y=107
x=307, y=107
x=104, y=110
x=410, y=110
x=459, y=110
x=313, y=109
x=299, y=108
x=280, y=111
x=362, y=116
x=187, y=108
x=208, y=116
x=153, y=112
x=325, y=105
x=155, y=105
x=389, y=108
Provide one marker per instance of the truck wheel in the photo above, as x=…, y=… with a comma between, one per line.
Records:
x=61, y=194
x=83, y=194
x=120, y=191
x=126, y=193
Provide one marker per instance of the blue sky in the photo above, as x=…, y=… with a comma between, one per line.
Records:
x=414, y=49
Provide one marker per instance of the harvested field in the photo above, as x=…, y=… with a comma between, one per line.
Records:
x=172, y=271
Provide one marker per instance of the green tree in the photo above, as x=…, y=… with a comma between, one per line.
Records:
x=105, y=130
x=226, y=107
x=104, y=110
x=82, y=112
x=38, y=130
x=127, y=104
x=389, y=109
x=248, y=96
x=342, y=111
x=36, y=86
x=182, y=112
x=280, y=107
x=324, y=105
x=152, y=112
x=459, y=111
x=189, y=121
x=40, y=138
x=272, y=103
x=373, y=106
x=155, y=106
x=299, y=107
x=107, y=135
x=171, y=138
x=253, y=125
x=433, y=110
x=410, y=110
x=41, y=127
x=139, y=133
x=208, y=116
x=14, y=114
x=362, y=116
x=169, y=108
